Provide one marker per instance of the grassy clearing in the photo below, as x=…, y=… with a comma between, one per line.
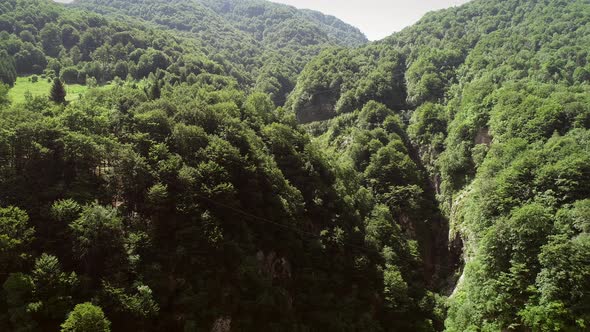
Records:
x=41, y=88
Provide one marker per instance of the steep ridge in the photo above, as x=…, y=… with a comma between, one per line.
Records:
x=174, y=198
x=265, y=44
x=492, y=95
x=264, y=19
x=79, y=46
x=181, y=198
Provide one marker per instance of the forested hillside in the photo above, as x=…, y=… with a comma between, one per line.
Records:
x=42, y=38
x=175, y=198
x=265, y=44
x=247, y=166
x=494, y=97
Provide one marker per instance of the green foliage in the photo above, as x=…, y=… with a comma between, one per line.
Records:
x=86, y=317
x=562, y=287
x=430, y=75
x=16, y=236
x=57, y=94
x=390, y=167
x=498, y=118
x=7, y=69
x=520, y=235
x=70, y=75
x=259, y=107
x=427, y=131
x=65, y=211
x=98, y=230
x=141, y=304
x=250, y=39
x=154, y=92
x=53, y=290
x=140, y=191
x=342, y=80
x=73, y=44
x=18, y=289
x=51, y=41
x=374, y=144
x=180, y=197
x=4, y=99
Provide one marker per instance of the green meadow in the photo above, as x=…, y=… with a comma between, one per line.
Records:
x=41, y=88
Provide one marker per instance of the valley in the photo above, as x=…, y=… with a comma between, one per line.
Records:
x=241, y=165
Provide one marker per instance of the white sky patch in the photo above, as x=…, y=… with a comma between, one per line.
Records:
x=376, y=18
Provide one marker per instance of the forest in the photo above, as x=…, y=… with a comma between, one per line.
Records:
x=241, y=165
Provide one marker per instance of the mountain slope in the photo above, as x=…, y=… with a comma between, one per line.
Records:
x=176, y=199
x=267, y=44
x=263, y=19
x=494, y=96
x=77, y=46
x=440, y=179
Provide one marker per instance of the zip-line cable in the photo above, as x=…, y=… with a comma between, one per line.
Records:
x=313, y=236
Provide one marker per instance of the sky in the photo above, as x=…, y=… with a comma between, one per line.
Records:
x=376, y=18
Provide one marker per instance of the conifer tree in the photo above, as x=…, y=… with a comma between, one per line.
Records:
x=86, y=317
x=58, y=92
x=7, y=69
x=155, y=92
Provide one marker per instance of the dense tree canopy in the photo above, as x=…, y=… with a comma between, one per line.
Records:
x=498, y=115
x=435, y=180
x=7, y=69
x=86, y=318
x=41, y=37
x=139, y=193
x=264, y=45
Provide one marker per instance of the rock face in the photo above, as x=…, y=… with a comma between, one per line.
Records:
x=222, y=324
x=273, y=267
x=483, y=137
x=320, y=107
